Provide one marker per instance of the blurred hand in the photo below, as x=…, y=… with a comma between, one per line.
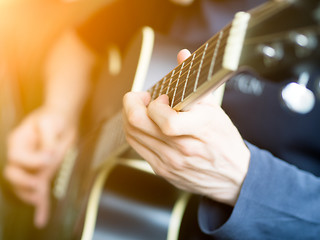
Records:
x=183, y=2
x=35, y=150
x=198, y=150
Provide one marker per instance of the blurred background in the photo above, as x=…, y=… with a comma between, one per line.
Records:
x=28, y=29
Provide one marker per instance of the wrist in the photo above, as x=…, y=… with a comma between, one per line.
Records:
x=70, y=115
x=244, y=160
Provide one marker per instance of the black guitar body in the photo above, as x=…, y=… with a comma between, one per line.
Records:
x=129, y=201
x=104, y=190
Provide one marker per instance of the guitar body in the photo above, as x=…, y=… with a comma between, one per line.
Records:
x=117, y=196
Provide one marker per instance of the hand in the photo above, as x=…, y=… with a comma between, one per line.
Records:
x=198, y=150
x=35, y=150
x=183, y=2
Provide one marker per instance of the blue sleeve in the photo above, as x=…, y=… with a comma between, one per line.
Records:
x=277, y=201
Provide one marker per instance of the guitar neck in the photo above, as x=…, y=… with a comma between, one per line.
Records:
x=207, y=68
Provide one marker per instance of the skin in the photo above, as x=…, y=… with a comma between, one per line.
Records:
x=36, y=147
x=183, y=2
x=35, y=150
x=198, y=150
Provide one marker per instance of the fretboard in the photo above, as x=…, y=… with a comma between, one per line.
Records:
x=191, y=74
x=205, y=69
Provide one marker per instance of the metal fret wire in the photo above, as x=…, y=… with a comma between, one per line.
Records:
x=212, y=49
x=205, y=65
x=172, y=72
x=192, y=80
x=177, y=84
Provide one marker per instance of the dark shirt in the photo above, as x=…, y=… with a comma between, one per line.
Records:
x=116, y=23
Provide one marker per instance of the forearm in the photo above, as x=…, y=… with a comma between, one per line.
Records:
x=67, y=75
x=277, y=200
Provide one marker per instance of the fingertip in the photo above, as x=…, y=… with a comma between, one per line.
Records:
x=146, y=97
x=163, y=99
x=41, y=215
x=135, y=97
x=40, y=221
x=183, y=55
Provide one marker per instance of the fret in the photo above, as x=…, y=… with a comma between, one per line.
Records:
x=194, y=62
x=151, y=90
x=186, y=91
x=162, y=85
x=214, y=55
x=187, y=78
x=204, y=62
x=177, y=83
x=155, y=91
x=199, y=69
x=170, y=81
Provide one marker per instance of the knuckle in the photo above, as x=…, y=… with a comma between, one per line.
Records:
x=126, y=97
x=187, y=150
x=159, y=171
x=135, y=118
x=185, y=147
x=169, y=127
x=130, y=140
x=178, y=165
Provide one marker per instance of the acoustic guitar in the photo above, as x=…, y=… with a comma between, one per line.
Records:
x=105, y=190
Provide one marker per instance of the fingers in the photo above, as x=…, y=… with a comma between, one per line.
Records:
x=32, y=189
x=135, y=116
x=183, y=55
x=49, y=133
x=20, y=178
x=42, y=206
x=30, y=160
x=164, y=116
x=35, y=150
x=183, y=2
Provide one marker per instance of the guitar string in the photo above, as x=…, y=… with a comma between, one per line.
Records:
x=188, y=59
x=190, y=90
x=195, y=64
x=246, y=42
x=282, y=36
x=209, y=55
x=200, y=49
x=192, y=80
x=212, y=40
x=171, y=78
